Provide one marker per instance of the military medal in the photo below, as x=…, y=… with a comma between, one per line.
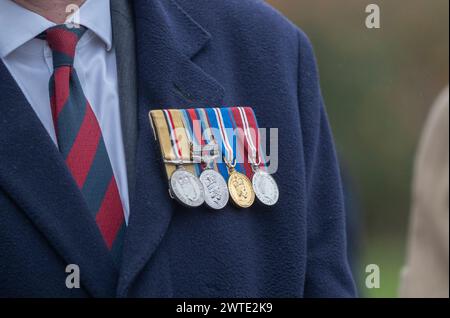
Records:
x=264, y=185
x=240, y=188
x=185, y=187
x=214, y=185
x=239, y=185
x=188, y=153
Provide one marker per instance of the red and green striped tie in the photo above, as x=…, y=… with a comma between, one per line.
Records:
x=80, y=138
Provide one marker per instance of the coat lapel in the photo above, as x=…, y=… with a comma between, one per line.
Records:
x=167, y=41
x=34, y=175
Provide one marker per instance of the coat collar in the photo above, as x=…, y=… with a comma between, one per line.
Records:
x=168, y=40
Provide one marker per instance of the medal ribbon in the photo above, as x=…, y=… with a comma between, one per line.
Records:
x=236, y=134
x=227, y=149
x=208, y=136
x=215, y=132
x=246, y=120
x=233, y=134
x=196, y=125
x=176, y=148
x=172, y=136
x=177, y=129
x=193, y=132
x=252, y=144
x=253, y=122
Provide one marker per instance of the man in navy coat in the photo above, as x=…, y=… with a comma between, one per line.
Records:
x=155, y=54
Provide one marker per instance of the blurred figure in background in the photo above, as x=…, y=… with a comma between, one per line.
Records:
x=426, y=273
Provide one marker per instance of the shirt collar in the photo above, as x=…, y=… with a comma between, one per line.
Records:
x=96, y=16
x=19, y=25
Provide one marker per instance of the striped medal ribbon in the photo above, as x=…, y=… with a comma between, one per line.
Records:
x=239, y=185
x=214, y=185
x=264, y=185
x=185, y=187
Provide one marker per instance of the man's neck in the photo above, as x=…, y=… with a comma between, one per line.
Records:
x=56, y=11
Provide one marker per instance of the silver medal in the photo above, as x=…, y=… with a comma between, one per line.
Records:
x=215, y=189
x=187, y=188
x=265, y=187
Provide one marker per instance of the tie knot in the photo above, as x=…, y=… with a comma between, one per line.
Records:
x=63, y=41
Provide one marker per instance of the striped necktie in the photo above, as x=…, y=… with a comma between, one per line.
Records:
x=80, y=139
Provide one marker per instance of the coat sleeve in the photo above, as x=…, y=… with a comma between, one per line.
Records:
x=327, y=269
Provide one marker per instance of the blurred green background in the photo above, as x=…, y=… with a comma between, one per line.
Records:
x=378, y=85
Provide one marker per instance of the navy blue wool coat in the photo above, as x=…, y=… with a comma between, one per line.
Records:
x=200, y=53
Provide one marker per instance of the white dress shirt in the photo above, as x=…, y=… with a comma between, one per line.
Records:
x=29, y=60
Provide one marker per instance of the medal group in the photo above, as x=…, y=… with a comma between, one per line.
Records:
x=212, y=155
